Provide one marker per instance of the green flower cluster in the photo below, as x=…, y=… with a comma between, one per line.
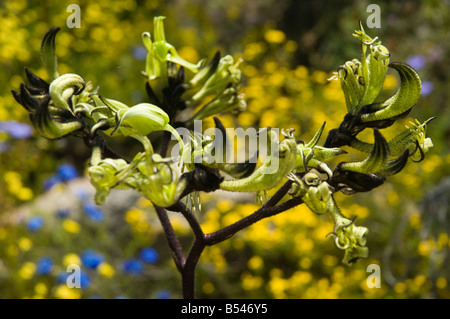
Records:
x=70, y=106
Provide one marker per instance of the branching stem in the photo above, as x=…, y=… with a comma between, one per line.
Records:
x=187, y=266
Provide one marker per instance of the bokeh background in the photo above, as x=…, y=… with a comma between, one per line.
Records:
x=49, y=221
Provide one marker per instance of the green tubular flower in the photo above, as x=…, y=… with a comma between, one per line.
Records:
x=312, y=156
x=348, y=236
x=413, y=140
x=64, y=87
x=373, y=67
x=142, y=119
x=205, y=72
x=50, y=105
x=394, y=166
x=217, y=81
x=376, y=160
x=165, y=71
x=206, y=151
x=379, y=115
x=103, y=177
x=362, y=81
x=378, y=62
x=225, y=101
x=226, y=74
x=153, y=177
x=158, y=180
x=314, y=192
x=102, y=111
x=52, y=127
x=138, y=121
x=48, y=53
x=51, y=121
x=159, y=53
x=352, y=83
x=260, y=179
x=398, y=105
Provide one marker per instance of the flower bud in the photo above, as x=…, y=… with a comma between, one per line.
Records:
x=103, y=177
x=318, y=194
x=348, y=236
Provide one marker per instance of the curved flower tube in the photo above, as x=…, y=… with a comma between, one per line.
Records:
x=286, y=159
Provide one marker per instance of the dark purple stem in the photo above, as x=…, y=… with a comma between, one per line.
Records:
x=172, y=239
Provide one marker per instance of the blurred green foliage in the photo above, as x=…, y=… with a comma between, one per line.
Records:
x=290, y=49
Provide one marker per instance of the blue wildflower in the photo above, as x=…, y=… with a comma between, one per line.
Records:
x=85, y=279
x=62, y=213
x=149, y=255
x=64, y=173
x=34, y=223
x=133, y=266
x=16, y=129
x=427, y=88
x=44, y=265
x=140, y=52
x=417, y=62
x=82, y=194
x=91, y=259
x=163, y=294
x=93, y=212
x=62, y=276
x=67, y=172
x=50, y=182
